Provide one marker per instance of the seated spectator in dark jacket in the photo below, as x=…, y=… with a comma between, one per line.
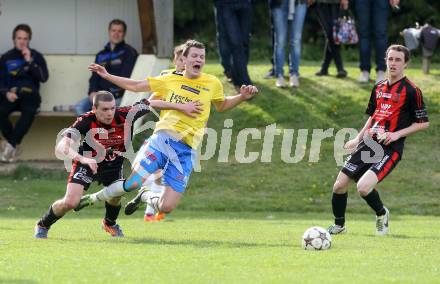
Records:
x=118, y=58
x=22, y=69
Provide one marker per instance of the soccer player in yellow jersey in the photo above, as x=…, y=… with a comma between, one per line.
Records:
x=150, y=214
x=172, y=146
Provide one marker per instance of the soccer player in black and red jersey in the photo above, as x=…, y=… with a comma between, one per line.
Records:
x=396, y=110
x=100, y=156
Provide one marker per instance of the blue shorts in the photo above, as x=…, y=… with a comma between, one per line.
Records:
x=174, y=158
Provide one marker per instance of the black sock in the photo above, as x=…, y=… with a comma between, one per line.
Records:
x=339, y=204
x=373, y=199
x=48, y=219
x=111, y=214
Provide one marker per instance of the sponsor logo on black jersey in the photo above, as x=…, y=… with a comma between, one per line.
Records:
x=350, y=166
x=381, y=163
x=381, y=94
x=81, y=174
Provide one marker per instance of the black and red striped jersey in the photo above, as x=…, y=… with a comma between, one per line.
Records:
x=394, y=107
x=102, y=139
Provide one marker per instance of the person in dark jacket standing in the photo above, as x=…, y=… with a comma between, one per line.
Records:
x=234, y=19
x=117, y=57
x=22, y=69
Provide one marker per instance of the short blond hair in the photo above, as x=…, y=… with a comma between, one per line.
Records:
x=191, y=43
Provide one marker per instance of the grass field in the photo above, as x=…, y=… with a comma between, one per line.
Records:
x=212, y=247
x=242, y=223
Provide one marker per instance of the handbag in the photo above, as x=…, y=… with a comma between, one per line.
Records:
x=344, y=31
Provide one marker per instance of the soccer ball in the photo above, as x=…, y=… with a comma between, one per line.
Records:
x=316, y=238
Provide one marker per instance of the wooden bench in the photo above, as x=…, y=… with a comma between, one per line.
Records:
x=50, y=114
x=68, y=83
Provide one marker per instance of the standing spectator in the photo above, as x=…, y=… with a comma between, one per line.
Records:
x=328, y=12
x=271, y=73
x=235, y=16
x=22, y=69
x=288, y=14
x=224, y=50
x=372, y=19
x=116, y=56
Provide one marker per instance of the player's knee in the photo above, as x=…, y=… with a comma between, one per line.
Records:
x=363, y=189
x=167, y=207
x=339, y=187
x=115, y=201
x=70, y=203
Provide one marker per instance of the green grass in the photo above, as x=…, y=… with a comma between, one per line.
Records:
x=242, y=223
x=212, y=247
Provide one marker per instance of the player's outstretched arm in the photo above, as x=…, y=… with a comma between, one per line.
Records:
x=191, y=109
x=65, y=151
x=246, y=93
x=122, y=82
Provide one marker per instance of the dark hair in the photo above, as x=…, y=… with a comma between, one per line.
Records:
x=22, y=27
x=102, y=96
x=400, y=48
x=191, y=43
x=118, y=22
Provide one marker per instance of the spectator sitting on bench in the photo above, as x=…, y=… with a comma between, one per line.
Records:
x=118, y=58
x=22, y=69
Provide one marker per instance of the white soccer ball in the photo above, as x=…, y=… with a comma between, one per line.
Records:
x=316, y=238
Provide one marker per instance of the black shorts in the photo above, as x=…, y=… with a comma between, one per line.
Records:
x=355, y=167
x=106, y=175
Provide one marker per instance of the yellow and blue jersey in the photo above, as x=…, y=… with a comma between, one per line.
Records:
x=176, y=88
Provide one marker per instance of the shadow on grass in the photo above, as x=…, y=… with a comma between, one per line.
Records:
x=397, y=236
x=274, y=217
x=195, y=243
x=365, y=86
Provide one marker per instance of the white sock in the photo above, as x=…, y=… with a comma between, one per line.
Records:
x=116, y=189
x=152, y=199
x=94, y=196
x=149, y=210
x=156, y=188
